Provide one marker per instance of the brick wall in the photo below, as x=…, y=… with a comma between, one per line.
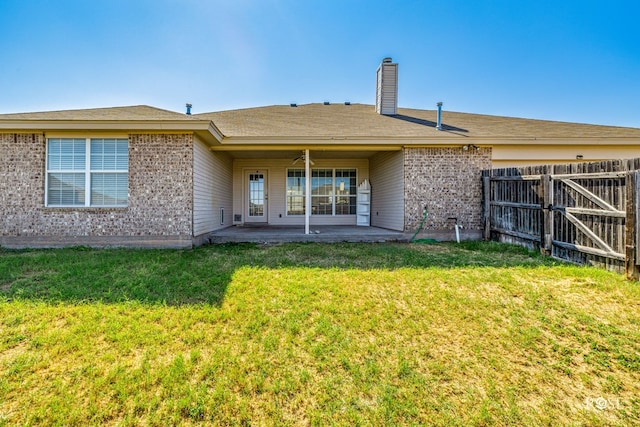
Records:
x=448, y=182
x=159, y=211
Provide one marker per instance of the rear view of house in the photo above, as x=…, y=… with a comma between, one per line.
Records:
x=145, y=177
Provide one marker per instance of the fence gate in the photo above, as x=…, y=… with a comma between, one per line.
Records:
x=579, y=216
x=584, y=217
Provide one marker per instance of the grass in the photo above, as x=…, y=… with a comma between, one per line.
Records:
x=312, y=334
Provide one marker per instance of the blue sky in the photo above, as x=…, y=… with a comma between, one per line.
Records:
x=560, y=60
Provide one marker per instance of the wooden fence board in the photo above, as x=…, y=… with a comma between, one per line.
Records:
x=579, y=212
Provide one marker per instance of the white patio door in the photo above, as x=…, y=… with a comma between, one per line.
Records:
x=257, y=196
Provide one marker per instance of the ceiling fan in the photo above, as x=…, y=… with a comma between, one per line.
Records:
x=301, y=157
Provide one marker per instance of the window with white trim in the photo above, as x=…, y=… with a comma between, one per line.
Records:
x=345, y=191
x=322, y=191
x=91, y=172
x=333, y=191
x=296, y=187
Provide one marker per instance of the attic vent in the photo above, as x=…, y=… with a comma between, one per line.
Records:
x=293, y=104
x=347, y=103
x=326, y=102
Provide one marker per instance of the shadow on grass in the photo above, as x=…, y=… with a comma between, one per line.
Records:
x=202, y=275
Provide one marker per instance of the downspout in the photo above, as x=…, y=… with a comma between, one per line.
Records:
x=307, y=191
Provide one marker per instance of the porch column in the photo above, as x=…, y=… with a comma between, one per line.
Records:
x=307, y=192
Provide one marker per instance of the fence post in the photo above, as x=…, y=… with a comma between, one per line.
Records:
x=632, y=246
x=486, y=207
x=546, y=239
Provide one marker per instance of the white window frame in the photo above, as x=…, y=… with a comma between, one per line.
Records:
x=350, y=196
x=332, y=196
x=87, y=174
x=287, y=196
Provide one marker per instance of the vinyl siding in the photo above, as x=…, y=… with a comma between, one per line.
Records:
x=387, y=190
x=387, y=89
x=212, y=190
x=276, y=188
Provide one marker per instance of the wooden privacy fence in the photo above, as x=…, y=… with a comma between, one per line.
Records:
x=585, y=213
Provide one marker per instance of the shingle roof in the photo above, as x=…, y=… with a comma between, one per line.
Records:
x=134, y=113
x=361, y=120
x=338, y=121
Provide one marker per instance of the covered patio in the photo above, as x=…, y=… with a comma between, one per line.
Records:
x=320, y=233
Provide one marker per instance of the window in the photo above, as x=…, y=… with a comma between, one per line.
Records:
x=87, y=172
x=333, y=192
x=295, y=192
x=345, y=191
x=321, y=191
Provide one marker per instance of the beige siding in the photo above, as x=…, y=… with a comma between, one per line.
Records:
x=518, y=155
x=387, y=190
x=387, y=89
x=212, y=190
x=276, y=188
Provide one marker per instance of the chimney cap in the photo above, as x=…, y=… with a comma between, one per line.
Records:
x=387, y=60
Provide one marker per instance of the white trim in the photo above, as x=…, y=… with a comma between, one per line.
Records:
x=87, y=171
x=87, y=176
x=286, y=194
x=307, y=195
x=333, y=195
x=246, y=194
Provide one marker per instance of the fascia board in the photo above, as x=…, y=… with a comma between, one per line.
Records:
x=128, y=125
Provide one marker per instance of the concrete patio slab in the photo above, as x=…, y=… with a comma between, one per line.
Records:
x=281, y=234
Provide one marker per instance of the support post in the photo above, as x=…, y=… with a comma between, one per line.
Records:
x=632, y=239
x=486, y=207
x=546, y=239
x=307, y=191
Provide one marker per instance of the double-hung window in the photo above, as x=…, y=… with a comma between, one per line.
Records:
x=91, y=172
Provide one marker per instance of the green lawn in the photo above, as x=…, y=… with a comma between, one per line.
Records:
x=314, y=334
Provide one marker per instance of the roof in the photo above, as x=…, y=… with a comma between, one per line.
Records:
x=361, y=121
x=132, y=113
x=335, y=121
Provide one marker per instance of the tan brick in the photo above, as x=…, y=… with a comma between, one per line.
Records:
x=448, y=182
x=160, y=194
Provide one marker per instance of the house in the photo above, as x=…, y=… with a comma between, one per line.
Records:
x=145, y=177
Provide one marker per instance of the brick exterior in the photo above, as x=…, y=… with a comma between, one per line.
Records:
x=448, y=182
x=160, y=205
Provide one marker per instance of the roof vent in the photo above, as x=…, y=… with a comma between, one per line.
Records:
x=326, y=103
x=347, y=103
x=439, y=124
x=189, y=109
x=293, y=104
